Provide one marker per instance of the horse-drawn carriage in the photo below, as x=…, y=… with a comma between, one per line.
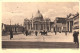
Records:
x=43, y=33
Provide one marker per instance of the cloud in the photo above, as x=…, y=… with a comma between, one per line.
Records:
x=19, y=11
x=60, y=12
x=76, y=8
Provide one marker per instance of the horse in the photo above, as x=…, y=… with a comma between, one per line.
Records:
x=43, y=33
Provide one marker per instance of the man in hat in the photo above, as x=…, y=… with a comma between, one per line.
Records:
x=11, y=34
x=36, y=33
x=75, y=35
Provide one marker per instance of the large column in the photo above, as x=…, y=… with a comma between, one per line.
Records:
x=43, y=26
x=49, y=26
x=30, y=26
x=66, y=26
x=69, y=26
x=40, y=26
x=37, y=26
x=56, y=28
x=34, y=27
x=27, y=26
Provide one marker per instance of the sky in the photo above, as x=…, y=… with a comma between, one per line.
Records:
x=18, y=11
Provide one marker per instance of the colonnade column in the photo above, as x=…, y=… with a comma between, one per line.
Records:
x=27, y=26
x=30, y=26
x=49, y=26
x=43, y=26
x=55, y=27
x=69, y=26
x=66, y=26
x=35, y=27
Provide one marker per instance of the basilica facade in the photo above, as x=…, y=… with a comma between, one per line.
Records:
x=37, y=23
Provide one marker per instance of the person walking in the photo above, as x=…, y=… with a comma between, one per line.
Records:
x=11, y=34
x=65, y=32
x=26, y=32
x=36, y=33
x=75, y=35
x=55, y=32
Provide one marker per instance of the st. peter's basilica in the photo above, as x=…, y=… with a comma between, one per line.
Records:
x=37, y=23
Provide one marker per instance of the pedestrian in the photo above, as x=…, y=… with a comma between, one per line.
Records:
x=65, y=32
x=26, y=32
x=11, y=34
x=41, y=32
x=44, y=32
x=36, y=33
x=75, y=35
x=55, y=32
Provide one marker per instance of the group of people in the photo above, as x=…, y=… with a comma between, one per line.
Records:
x=36, y=32
x=28, y=32
x=60, y=32
x=43, y=32
x=75, y=35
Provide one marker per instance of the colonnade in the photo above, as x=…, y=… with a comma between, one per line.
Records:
x=38, y=26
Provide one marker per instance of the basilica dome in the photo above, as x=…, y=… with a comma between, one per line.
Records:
x=38, y=16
